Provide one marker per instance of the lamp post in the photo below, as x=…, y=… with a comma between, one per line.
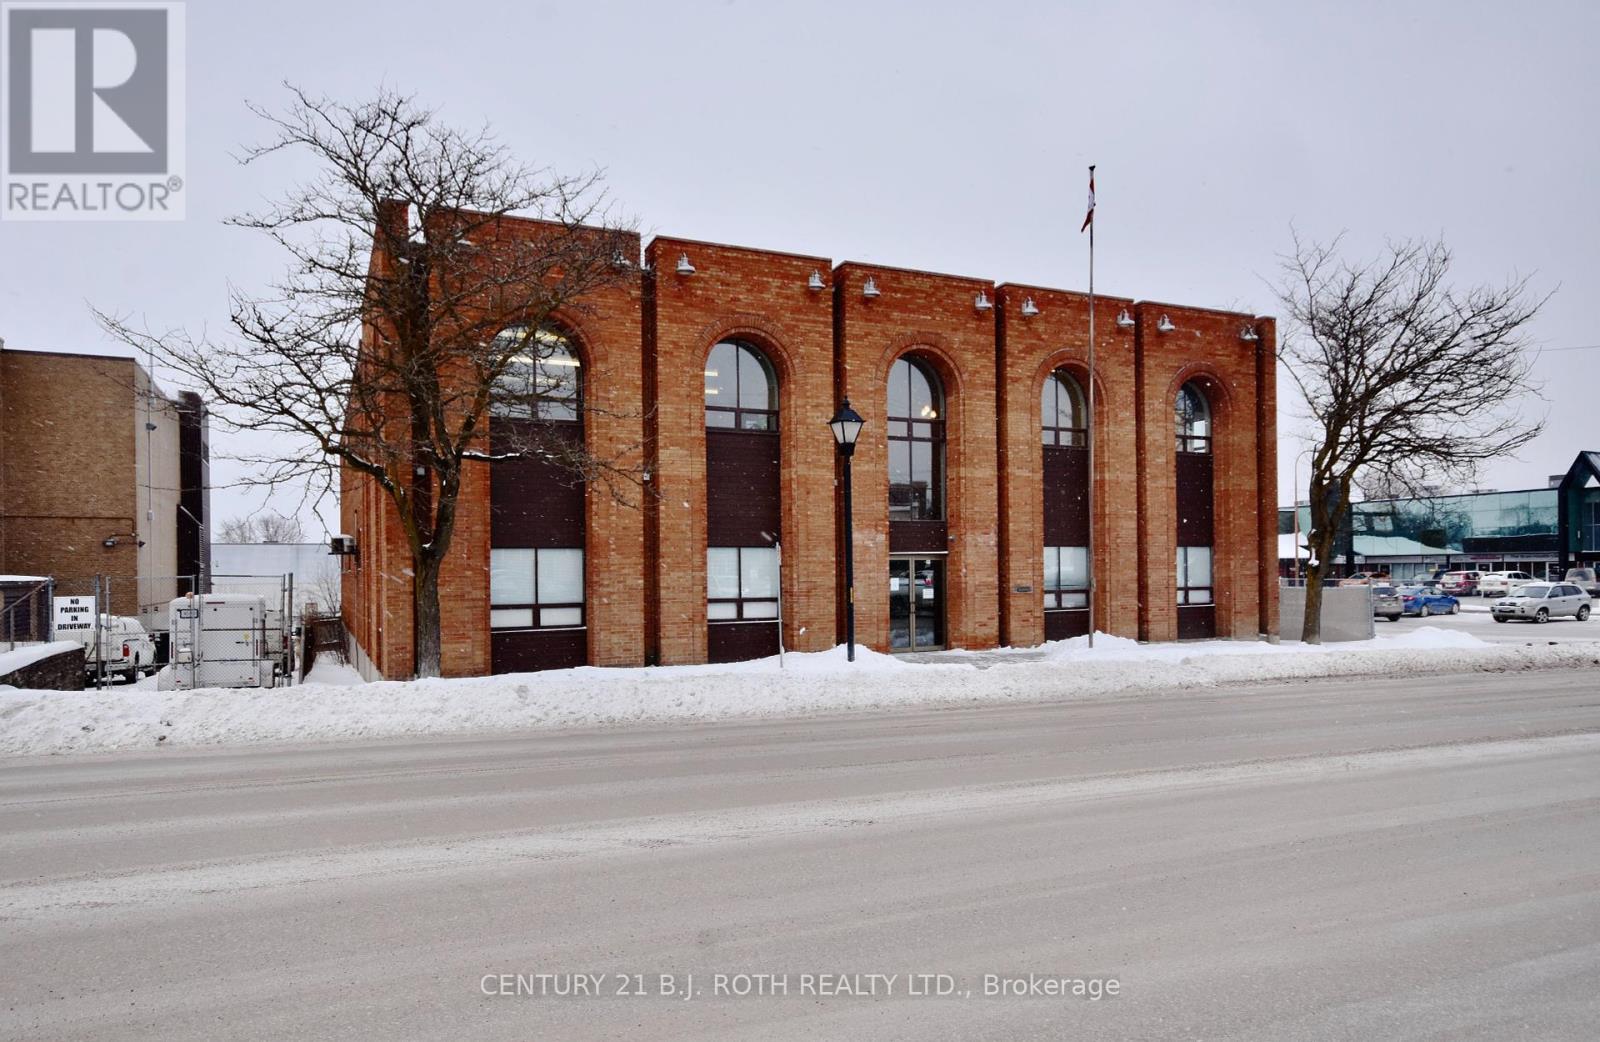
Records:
x=846, y=427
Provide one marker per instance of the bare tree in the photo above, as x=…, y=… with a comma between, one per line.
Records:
x=237, y=530
x=424, y=267
x=1407, y=380
x=261, y=528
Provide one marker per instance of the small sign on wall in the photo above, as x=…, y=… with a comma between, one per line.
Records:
x=73, y=615
x=1022, y=588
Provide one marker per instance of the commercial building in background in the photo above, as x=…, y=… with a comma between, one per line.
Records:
x=102, y=473
x=1541, y=531
x=970, y=478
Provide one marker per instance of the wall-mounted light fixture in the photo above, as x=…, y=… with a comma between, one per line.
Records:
x=1249, y=335
x=1124, y=320
x=870, y=290
x=982, y=302
x=1164, y=325
x=815, y=282
x=1029, y=308
x=619, y=260
x=684, y=267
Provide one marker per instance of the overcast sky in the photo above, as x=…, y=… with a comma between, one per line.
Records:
x=949, y=137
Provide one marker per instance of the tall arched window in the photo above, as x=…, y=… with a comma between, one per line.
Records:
x=743, y=514
x=1196, y=584
x=537, y=615
x=916, y=443
x=1192, y=418
x=1063, y=423
x=741, y=388
x=543, y=379
x=1063, y=417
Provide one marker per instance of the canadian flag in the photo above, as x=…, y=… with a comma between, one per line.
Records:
x=1088, y=218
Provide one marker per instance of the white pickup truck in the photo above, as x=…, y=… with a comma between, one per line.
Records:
x=126, y=649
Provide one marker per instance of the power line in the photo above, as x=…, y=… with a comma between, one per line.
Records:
x=1580, y=347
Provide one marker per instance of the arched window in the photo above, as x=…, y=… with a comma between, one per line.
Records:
x=1192, y=418
x=537, y=587
x=1196, y=503
x=1063, y=419
x=543, y=380
x=741, y=388
x=916, y=443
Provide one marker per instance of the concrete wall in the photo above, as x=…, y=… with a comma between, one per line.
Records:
x=156, y=472
x=1346, y=613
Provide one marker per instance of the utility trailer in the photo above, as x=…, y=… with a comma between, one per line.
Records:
x=220, y=640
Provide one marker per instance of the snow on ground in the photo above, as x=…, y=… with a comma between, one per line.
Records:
x=335, y=705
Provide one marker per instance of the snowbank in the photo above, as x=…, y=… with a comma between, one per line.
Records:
x=334, y=705
x=27, y=654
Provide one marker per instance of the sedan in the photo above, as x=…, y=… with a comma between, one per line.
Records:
x=1421, y=601
x=1386, y=603
x=1541, y=602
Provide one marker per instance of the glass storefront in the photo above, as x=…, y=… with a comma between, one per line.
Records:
x=1490, y=530
x=1447, y=522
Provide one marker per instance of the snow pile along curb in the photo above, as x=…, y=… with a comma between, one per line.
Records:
x=333, y=706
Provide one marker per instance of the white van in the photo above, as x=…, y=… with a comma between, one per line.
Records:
x=126, y=649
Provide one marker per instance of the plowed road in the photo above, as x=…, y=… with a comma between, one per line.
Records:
x=1327, y=860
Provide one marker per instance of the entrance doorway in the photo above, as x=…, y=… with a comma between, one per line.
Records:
x=916, y=603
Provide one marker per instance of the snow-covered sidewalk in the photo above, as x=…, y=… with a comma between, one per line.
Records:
x=335, y=705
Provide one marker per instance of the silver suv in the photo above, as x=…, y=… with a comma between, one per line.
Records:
x=1541, y=602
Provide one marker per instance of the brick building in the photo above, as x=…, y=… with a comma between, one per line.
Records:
x=970, y=509
x=102, y=473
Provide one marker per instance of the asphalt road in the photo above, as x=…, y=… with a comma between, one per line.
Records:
x=1412, y=859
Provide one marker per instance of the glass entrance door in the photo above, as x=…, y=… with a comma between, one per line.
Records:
x=916, y=603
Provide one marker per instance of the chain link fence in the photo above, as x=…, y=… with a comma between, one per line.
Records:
x=25, y=607
x=124, y=621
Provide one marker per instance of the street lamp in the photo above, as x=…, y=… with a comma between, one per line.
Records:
x=846, y=427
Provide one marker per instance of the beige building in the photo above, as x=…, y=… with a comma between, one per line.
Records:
x=102, y=473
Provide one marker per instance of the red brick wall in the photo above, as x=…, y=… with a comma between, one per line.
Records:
x=1031, y=348
x=1205, y=347
x=1266, y=499
x=644, y=346
x=69, y=470
x=763, y=298
x=933, y=317
x=607, y=332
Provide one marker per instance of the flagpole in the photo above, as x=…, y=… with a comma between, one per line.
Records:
x=1089, y=426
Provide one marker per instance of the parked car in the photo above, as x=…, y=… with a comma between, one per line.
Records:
x=1460, y=584
x=1502, y=584
x=1386, y=603
x=1541, y=602
x=126, y=648
x=1585, y=578
x=1364, y=579
x=1421, y=601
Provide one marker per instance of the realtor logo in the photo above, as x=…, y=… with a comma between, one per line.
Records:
x=93, y=111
